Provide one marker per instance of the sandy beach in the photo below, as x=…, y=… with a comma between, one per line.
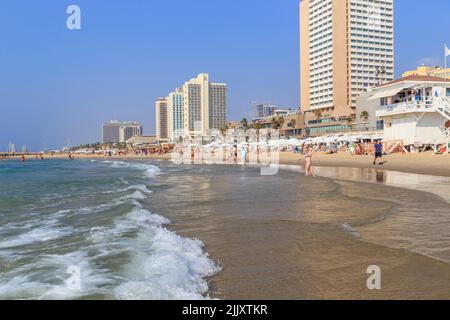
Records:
x=420, y=163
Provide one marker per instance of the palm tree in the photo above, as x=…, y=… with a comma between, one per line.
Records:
x=258, y=127
x=281, y=121
x=224, y=129
x=350, y=121
x=244, y=123
x=293, y=123
x=275, y=123
x=364, y=115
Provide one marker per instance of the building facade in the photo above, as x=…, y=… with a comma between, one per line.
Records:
x=265, y=110
x=366, y=118
x=217, y=106
x=195, y=99
x=162, y=132
x=175, y=114
x=137, y=141
x=415, y=110
x=438, y=72
x=196, y=108
x=346, y=47
x=205, y=105
x=129, y=131
x=119, y=132
x=293, y=125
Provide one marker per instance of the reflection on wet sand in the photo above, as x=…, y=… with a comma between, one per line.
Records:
x=434, y=184
x=296, y=237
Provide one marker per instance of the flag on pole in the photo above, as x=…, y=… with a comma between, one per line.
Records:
x=447, y=51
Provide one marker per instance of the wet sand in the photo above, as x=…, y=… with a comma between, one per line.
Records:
x=292, y=237
x=420, y=163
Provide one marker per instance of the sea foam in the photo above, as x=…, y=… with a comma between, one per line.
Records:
x=150, y=171
x=123, y=250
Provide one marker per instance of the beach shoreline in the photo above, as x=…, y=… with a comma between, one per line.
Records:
x=309, y=248
x=301, y=247
x=418, y=163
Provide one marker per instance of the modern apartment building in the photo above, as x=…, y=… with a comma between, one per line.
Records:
x=162, y=132
x=196, y=108
x=126, y=132
x=205, y=105
x=346, y=47
x=119, y=132
x=175, y=114
x=265, y=110
x=217, y=105
x=196, y=102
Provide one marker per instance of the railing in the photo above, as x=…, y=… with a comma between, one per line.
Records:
x=443, y=107
x=362, y=130
x=406, y=107
x=446, y=132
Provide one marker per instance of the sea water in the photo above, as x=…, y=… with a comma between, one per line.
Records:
x=89, y=216
x=156, y=230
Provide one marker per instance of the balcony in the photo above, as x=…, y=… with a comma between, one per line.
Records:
x=419, y=106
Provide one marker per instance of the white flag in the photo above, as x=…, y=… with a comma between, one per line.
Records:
x=447, y=51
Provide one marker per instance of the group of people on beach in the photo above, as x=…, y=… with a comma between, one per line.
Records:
x=23, y=158
x=232, y=153
x=241, y=153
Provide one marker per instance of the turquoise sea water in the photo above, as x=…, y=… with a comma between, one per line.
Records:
x=81, y=229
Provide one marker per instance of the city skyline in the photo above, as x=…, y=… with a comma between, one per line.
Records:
x=53, y=78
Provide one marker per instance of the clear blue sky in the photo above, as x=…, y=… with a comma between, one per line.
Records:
x=57, y=84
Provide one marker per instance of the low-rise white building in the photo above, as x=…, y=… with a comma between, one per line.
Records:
x=415, y=110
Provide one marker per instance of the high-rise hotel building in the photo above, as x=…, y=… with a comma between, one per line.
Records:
x=175, y=114
x=162, y=132
x=346, y=46
x=205, y=105
x=196, y=108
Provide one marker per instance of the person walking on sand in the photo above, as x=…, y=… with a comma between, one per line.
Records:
x=378, y=152
x=308, y=158
x=244, y=154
